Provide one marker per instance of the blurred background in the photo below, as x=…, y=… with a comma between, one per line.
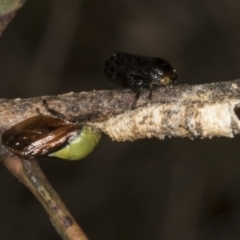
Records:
x=147, y=189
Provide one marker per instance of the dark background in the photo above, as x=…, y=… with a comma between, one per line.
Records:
x=147, y=189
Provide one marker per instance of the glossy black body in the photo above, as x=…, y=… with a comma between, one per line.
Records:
x=39, y=136
x=135, y=72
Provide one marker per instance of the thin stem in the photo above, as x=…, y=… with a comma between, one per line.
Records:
x=30, y=174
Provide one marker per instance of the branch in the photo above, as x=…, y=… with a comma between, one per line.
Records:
x=30, y=174
x=180, y=111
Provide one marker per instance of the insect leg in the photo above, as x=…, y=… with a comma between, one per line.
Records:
x=150, y=93
x=52, y=111
x=151, y=89
x=138, y=92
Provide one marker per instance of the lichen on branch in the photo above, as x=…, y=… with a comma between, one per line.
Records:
x=186, y=111
x=192, y=111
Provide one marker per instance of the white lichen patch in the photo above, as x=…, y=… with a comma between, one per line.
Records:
x=216, y=120
x=174, y=120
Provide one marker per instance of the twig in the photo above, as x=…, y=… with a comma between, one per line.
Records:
x=181, y=111
x=30, y=174
x=210, y=110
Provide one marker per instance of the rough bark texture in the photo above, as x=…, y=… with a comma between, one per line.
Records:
x=186, y=111
x=183, y=111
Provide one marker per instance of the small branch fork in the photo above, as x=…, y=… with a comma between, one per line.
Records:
x=181, y=111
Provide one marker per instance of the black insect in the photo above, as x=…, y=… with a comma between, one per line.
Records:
x=137, y=72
